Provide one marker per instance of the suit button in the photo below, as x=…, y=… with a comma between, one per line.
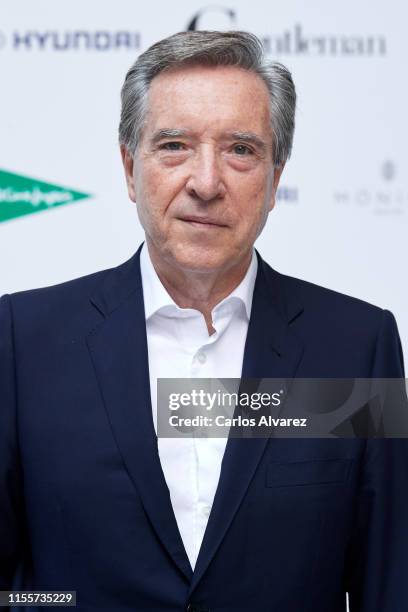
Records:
x=193, y=608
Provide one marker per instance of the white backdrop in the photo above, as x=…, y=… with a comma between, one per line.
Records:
x=341, y=220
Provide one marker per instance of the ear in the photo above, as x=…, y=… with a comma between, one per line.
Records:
x=128, y=163
x=277, y=171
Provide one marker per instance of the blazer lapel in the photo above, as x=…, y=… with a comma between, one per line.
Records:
x=119, y=352
x=271, y=351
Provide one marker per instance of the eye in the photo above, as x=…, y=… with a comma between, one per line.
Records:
x=172, y=146
x=241, y=149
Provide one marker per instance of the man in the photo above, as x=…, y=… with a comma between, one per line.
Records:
x=90, y=499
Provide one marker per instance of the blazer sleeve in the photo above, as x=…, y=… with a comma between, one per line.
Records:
x=11, y=506
x=377, y=561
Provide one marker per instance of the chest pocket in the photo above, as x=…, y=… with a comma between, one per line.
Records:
x=311, y=472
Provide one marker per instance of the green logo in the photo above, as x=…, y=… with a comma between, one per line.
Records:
x=21, y=195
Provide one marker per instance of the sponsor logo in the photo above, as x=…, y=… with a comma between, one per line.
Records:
x=387, y=198
x=71, y=40
x=293, y=40
x=287, y=195
x=21, y=195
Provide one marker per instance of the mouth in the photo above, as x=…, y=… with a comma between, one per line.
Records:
x=202, y=222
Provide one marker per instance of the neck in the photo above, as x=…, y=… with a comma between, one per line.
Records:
x=196, y=289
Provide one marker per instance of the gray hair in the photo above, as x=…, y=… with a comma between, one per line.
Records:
x=209, y=48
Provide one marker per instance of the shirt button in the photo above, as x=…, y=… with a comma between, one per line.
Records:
x=201, y=357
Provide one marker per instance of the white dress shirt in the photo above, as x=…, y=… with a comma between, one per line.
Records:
x=179, y=346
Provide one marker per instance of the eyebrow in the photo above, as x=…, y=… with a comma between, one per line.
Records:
x=248, y=137
x=168, y=133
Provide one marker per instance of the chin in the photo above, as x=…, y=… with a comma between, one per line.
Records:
x=200, y=258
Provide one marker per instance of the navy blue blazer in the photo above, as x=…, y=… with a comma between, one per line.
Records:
x=84, y=504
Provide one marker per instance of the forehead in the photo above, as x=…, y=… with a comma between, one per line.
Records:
x=206, y=98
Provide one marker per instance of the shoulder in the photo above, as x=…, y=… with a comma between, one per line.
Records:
x=64, y=306
x=294, y=295
x=335, y=310
x=322, y=299
x=61, y=298
x=339, y=329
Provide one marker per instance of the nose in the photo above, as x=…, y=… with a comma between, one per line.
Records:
x=205, y=180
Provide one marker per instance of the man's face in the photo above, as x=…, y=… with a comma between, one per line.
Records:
x=202, y=176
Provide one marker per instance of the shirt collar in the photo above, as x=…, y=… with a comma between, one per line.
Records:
x=155, y=295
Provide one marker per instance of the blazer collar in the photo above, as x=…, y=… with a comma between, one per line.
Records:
x=118, y=285
x=122, y=281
